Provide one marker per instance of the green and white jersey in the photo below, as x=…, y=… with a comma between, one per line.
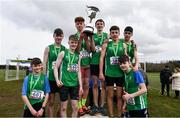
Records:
x=69, y=69
x=35, y=88
x=85, y=55
x=132, y=81
x=98, y=41
x=130, y=50
x=53, y=54
x=113, y=51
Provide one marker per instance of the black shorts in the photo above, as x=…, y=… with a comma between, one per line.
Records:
x=53, y=86
x=95, y=69
x=110, y=81
x=66, y=91
x=37, y=107
x=139, y=113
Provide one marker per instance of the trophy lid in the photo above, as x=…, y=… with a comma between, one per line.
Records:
x=92, y=11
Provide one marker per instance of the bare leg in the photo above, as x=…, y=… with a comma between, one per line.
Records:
x=103, y=89
x=74, y=104
x=95, y=90
x=119, y=100
x=86, y=84
x=110, y=90
x=51, y=105
x=64, y=109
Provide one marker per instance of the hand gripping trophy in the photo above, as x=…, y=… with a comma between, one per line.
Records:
x=89, y=29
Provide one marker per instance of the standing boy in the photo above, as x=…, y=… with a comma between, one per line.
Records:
x=135, y=94
x=50, y=55
x=70, y=82
x=35, y=91
x=111, y=51
x=84, y=49
x=99, y=38
x=131, y=47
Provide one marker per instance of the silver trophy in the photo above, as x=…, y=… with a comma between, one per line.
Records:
x=91, y=11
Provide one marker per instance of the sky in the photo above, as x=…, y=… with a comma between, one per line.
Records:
x=26, y=26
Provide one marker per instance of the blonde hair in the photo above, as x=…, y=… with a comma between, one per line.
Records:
x=177, y=69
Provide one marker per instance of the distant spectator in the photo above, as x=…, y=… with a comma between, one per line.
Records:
x=165, y=74
x=176, y=81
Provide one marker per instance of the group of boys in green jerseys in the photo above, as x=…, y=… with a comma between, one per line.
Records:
x=67, y=68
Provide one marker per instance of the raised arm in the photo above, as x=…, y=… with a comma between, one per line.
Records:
x=80, y=42
x=135, y=68
x=92, y=44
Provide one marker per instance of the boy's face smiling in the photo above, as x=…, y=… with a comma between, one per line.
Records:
x=37, y=68
x=73, y=44
x=114, y=34
x=125, y=66
x=99, y=26
x=80, y=25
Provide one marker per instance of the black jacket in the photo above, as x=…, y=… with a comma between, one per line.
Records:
x=165, y=74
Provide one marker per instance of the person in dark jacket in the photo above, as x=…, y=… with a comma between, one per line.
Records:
x=165, y=74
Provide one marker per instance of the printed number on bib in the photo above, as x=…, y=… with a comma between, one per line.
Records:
x=114, y=60
x=131, y=101
x=73, y=68
x=98, y=48
x=37, y=94
x=84, y=54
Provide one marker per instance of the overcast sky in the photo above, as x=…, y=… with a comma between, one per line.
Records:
x=26, y=26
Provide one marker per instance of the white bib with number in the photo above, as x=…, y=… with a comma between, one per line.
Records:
x=37, y=94
x=131, y=101
x=114, y=60
x=73, y=68
x=84, y=54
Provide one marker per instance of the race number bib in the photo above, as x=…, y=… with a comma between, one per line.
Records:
x=37, y=94
x=114, y=60
x=53, y=64
x=73, y=68
x=131, y=101
x=98, y=48
x=84, y=54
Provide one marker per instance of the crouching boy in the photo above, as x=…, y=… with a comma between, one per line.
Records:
x=135, y=95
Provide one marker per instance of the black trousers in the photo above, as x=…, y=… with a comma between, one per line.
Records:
x=163, y=85
x=177, y=93
x=37, y=107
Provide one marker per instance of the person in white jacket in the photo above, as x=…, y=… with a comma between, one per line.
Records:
x=176, y=81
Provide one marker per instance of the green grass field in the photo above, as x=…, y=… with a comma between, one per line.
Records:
x=11, y=104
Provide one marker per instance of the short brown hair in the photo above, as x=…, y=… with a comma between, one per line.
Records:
x=58, y=32
x=73, y=37
x=36, y=61
x=79, y=19
x=100, y=20
x=114, y=28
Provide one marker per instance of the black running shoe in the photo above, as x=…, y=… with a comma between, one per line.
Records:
x=94, y=110
x=103, y=111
